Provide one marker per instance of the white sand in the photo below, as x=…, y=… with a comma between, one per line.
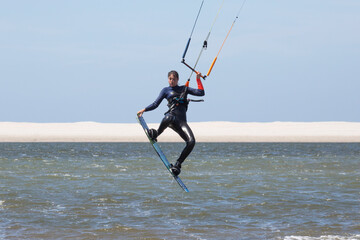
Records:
x=204, y=132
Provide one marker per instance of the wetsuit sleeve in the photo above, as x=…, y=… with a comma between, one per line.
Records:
x=157, y=101
x=197, y=92
x=199, y=83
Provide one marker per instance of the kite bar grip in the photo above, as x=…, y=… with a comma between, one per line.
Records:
x=211, y=67
x=186, y=48
x=192, y=69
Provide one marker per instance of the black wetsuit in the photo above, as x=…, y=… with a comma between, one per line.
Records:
x=175, y=118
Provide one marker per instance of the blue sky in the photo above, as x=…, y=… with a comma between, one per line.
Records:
x=70, y=61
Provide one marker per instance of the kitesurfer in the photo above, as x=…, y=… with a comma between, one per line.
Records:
x=175, y=117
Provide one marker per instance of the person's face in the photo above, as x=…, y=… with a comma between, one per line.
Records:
x=173, y=81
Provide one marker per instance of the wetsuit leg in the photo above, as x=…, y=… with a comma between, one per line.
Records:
x=183, y=129
x=167, y=120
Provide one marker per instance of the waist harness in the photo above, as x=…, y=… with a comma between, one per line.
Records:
x=180, y=100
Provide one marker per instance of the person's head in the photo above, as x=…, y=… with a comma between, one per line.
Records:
x=173, y=78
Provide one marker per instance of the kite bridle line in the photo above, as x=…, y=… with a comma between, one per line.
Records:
x=193, y=69
x=213, y=62
x=204, y=47
x=192, y=31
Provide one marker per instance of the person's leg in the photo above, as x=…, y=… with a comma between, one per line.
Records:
x=187, y=135
x=166, y=121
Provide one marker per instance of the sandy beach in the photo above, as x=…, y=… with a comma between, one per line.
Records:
x=204, y=132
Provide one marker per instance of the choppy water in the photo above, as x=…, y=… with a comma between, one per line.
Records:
x=123, y=191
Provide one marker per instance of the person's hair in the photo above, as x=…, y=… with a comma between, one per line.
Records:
x=173, y=72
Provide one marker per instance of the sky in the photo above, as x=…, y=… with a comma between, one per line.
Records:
x=102, y=61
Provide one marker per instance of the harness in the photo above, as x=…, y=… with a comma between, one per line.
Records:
x=180, y=100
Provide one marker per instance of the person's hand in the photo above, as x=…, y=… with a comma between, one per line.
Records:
x=198, y=75
x=140, y=113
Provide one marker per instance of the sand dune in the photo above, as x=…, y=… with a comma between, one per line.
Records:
x=204, y=132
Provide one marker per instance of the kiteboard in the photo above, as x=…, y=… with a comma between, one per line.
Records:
x=160, y=153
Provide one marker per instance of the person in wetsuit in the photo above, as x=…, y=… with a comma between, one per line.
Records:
x=175, y=117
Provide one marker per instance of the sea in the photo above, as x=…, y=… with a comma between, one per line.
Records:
x=290, y=191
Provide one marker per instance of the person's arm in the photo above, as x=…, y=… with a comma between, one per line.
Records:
x=198, y=80
x=200, y=90
x=154, y=105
